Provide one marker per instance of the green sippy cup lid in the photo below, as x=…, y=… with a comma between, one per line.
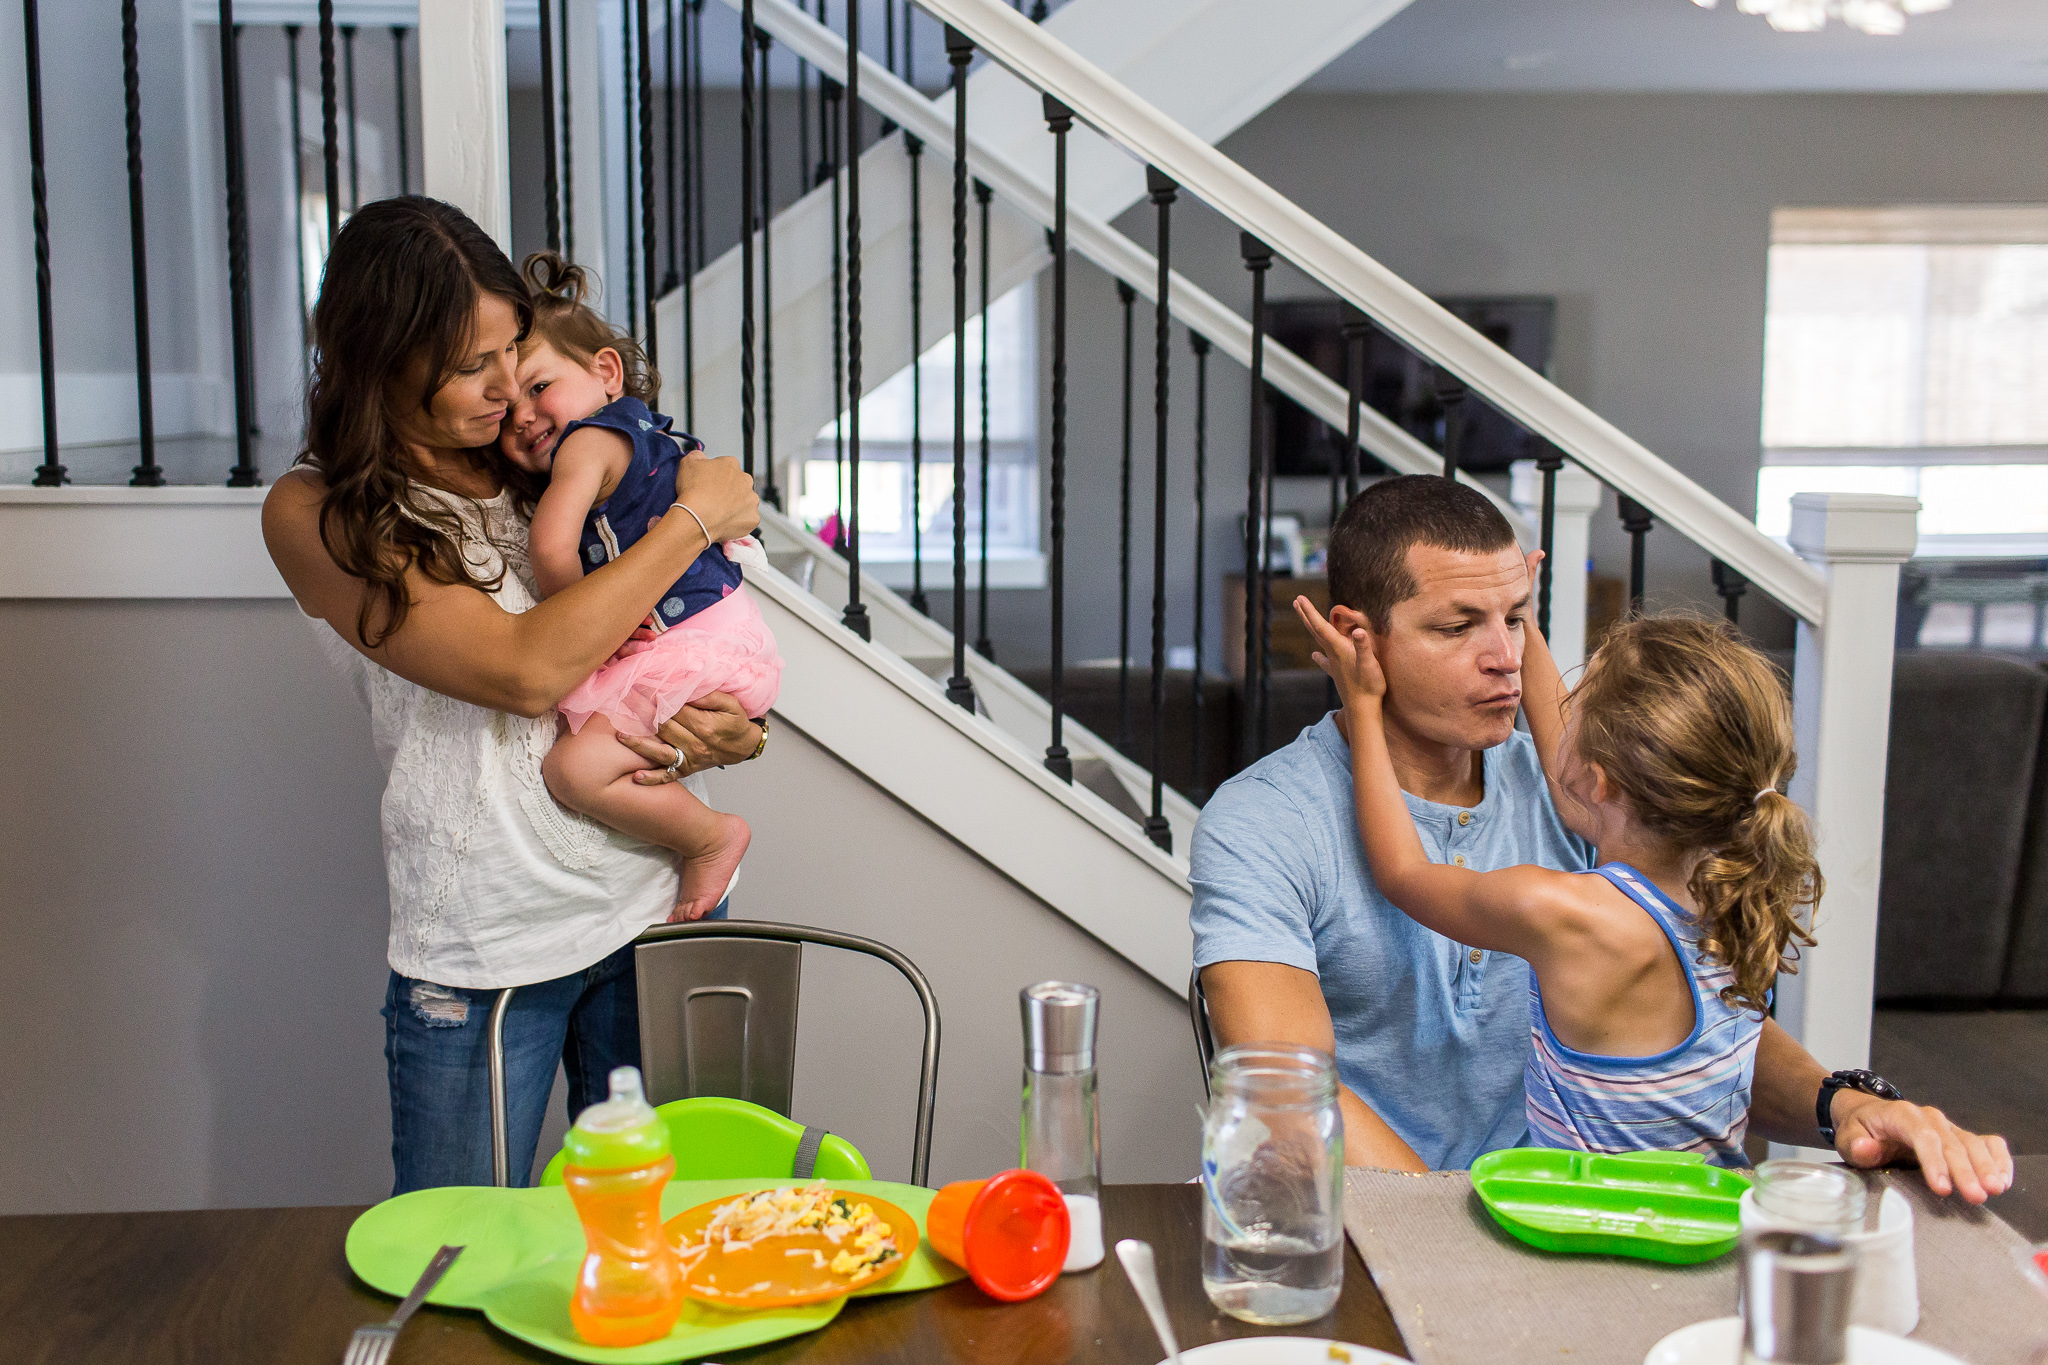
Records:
x=619, y=1132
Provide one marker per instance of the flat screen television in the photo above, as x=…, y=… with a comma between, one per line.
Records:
x=1399, y=384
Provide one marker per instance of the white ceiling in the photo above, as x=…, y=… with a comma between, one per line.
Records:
x=1486, y=45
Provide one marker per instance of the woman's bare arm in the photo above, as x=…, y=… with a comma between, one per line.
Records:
x=458, y=641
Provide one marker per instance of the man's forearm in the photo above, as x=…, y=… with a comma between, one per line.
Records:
x=1368, y=1141
x=1786, y=1085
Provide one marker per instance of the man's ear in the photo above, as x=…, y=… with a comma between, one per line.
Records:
x=1348, y=619
x=610, y=369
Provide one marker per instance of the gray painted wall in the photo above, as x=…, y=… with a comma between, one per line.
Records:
x=1647, y=215
x=195, y=912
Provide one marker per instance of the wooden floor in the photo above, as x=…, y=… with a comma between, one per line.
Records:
x=1986, y=1069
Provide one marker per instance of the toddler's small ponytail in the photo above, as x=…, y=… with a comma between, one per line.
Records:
x=565, y=317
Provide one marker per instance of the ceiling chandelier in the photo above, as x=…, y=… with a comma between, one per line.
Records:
x=1884, y=18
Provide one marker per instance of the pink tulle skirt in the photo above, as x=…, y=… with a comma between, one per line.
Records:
x=724, y=648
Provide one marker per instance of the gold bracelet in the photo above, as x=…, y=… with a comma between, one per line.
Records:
x=762, y=747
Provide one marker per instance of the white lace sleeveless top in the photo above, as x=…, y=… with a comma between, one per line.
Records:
x=492, y=883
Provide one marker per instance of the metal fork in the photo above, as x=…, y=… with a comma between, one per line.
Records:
x=372, y=1345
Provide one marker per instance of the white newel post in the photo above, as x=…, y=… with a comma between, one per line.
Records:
x=1578, y=498
x=1842, y=704
x=463, y=117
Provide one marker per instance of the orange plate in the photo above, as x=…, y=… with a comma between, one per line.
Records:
x=767, y=1276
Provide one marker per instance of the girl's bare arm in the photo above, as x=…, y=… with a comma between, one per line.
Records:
x=587, y=466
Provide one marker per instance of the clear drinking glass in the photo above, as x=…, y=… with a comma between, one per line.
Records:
x=1060, y=1133
x=1273, y=1176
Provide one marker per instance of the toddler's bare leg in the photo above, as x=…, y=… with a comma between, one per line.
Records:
x=592, y=772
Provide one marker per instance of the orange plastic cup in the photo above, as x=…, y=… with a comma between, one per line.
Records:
x=1008, y=1232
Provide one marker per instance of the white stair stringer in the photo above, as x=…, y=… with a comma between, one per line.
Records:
x=981, y=778
x=1158, y=45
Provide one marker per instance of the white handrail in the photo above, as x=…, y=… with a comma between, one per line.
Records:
x=1102, y=244
x=1112, y=109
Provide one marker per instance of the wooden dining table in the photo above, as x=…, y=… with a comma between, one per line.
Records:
x=269, y=1286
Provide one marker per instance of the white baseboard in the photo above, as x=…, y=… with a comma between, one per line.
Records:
x=99, y=409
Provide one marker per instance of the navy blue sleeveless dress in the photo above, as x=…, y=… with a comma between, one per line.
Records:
x=646, y=492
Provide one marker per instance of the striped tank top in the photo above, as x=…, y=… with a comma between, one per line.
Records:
x=1693, y=1098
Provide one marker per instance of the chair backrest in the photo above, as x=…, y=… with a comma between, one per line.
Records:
x=722, y=1139
x=718, y=1016
x=1198, y=1015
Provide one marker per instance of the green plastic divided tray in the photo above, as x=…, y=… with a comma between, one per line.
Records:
x=1660, y=1206
x=522, y=1249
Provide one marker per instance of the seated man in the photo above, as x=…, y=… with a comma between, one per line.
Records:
x=1295, y=943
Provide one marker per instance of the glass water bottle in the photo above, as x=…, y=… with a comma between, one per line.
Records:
x=1061, y=1132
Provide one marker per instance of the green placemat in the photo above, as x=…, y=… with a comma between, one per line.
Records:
x=522, y=1248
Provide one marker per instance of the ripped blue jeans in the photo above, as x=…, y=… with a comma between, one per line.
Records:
x=437, y=1055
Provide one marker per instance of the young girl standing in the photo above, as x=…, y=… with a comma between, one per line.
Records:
x=581, y=419
x=1653, y=972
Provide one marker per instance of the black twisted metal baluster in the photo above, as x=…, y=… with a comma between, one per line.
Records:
x=1549, y=459
x=1258, y=259
x=1356, y=329
x=1126, y=296
x=348, y=82
x=242, y=332
x=1731, y=584
x=913, y=148
x=909, y=46
x=982, y=644
x=626, y=129
x=688, y=266
x=959, y=52
x=330, y=120
x=889, y=43
x=855, y=617
x=568, y=149
x=1637, y=521
x=748, y=150
x=1039, y=9
x=398, y=94
x=1199, y=344
x=673, y=275
x=1163, y=190
x=1060, y=120
x=644, y=64
x=803, y=115
x=703, y=238
x=291, y=65
x=148, y=474
x=831, y=96
x=769, y=492
x=551, y=184
x=1450, y=395
x=51, y=472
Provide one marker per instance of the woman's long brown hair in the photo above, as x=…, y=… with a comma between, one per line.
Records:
x=1693, y=727
x=398, y=298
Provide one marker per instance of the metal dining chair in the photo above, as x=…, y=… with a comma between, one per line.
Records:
x=1198, y=1015
x=718, y=1007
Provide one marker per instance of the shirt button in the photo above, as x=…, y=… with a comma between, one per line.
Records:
x=1477, y=957
x=1464, y=817
x=1458, y=861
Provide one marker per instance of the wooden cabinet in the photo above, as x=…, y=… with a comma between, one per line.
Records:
x=1291, y=644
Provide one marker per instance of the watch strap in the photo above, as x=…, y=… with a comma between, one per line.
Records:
x=1868, y=1082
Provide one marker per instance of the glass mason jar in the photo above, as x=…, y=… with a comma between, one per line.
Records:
x=1060, y=1133
x=1273, y=1177
x=1806, y=1196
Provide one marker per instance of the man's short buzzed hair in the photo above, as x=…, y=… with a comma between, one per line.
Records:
x=1369, y=546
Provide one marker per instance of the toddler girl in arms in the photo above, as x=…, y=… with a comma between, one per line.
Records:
x=581, y=419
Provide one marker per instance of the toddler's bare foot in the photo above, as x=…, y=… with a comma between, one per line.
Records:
x=706, y=874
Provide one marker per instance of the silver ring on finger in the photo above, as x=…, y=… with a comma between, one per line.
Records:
x=675, y=768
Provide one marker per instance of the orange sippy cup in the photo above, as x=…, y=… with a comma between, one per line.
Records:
x=1009, y=1232
x=630, y=1289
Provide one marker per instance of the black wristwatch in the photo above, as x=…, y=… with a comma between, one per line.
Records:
x=1869, y=1082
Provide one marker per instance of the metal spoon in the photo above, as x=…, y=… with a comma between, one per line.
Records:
x=1144, y=1273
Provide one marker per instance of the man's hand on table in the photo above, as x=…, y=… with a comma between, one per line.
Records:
x=1874, y=1132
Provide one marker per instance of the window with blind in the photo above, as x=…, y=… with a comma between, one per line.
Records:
x=1906, y=351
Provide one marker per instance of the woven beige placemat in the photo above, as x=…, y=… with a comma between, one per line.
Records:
x=1465, y=1293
